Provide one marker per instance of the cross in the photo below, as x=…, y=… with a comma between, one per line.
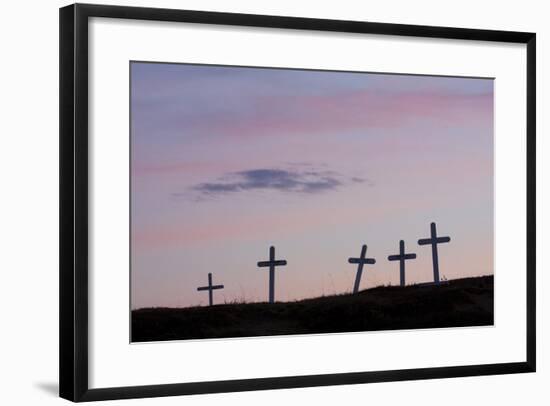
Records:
x=272, y=263
x=210, y=288
x=360, y=261
x=434, y=240
x=402, y=257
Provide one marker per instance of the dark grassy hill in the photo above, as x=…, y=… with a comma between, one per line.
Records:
x=458, y=303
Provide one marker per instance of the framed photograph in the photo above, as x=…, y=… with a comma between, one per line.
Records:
x=257, y=202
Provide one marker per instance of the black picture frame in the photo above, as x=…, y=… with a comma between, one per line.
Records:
x=73, y=254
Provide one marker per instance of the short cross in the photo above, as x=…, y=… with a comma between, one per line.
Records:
x=210, y=288
x=402, y=257
x=360, y=261
x=433, y=241
x=272, y=263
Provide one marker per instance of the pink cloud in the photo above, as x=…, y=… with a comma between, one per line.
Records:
x=274, y=115
x=314, y=116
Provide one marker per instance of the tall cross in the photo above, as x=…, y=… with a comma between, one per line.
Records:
x=210, y=288
x=402, y=257
x=433, y=241
x=272, y=263
x=360, y=262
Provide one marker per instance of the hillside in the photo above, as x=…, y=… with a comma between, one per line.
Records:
x=458, y=303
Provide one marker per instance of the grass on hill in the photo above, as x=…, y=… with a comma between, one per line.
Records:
x=458, y=303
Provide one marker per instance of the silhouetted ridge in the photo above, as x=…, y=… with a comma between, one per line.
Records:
x=458, y=303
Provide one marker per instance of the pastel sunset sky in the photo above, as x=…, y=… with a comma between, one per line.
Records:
x=226, y=161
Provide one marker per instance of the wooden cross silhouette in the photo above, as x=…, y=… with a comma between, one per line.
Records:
x=433, y=241
x=360, y=261
x=402, y=257
x=210, y=288
x=272, y=263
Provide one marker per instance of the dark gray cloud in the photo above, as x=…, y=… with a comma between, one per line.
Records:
x=309, y=180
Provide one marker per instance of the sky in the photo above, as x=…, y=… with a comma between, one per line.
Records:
x=227, y=161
